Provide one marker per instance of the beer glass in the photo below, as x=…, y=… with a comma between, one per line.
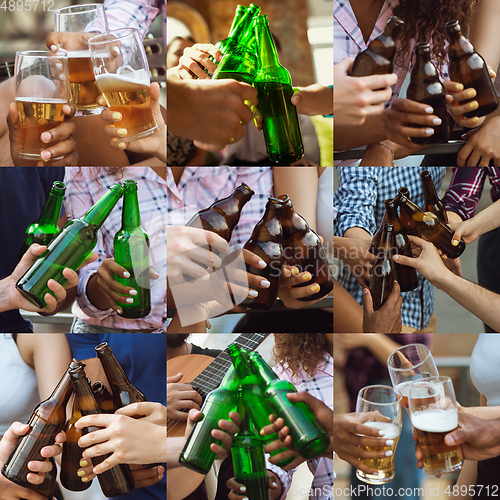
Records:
x=433, y=413
x=379, y=406
x=410, y=363
x=41, y=92
x=122, y=74
x=76, y=25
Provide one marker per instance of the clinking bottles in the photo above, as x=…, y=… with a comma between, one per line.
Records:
x=196, y=454
x=303, y=249
x=383, y=272
x=46, y=489
x=118, y=480
x=124, y=393
x=431, y=228
x=467, y=67
x=45, y=229
x=249, y=461
x=432, y=202
x=267, y=242
x=46, y=421
x=378, y=57
x=73, y=245
x=406, y=221
x=103, y=397
x=426, y=88
x=274, y=86
x=406, y=276
x=131, y=246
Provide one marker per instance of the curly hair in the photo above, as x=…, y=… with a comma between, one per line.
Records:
x=109, y=170
x=300, y=351
x=424, y=23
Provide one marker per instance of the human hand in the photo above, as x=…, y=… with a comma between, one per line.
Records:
x=402, y=117
x=67, y=40
x=314, y=100
x=460, y=101
x=482, y=145
x=154, y=413
x=355, y=254
x=238, y=490
x=387, y=319
x=357, y=98
x=469, y=230
x=59, y=140
x=181, y=396
x=144, y=477
x=195, y=58
x=290, y=296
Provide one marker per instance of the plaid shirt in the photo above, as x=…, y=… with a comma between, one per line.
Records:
x=466, y=187
x=360, y=203
x=321, y=387
x=135, y=14
x=82, y=192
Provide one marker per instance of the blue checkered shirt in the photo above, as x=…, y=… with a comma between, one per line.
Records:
x=360, y=203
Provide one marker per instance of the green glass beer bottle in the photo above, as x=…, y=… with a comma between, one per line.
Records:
x=274, y=91
x=103, y=397
x=196, y=454
x=45, y=229
x=73, y=245
x=249, y=461
x=118, y=480
x=131, y=247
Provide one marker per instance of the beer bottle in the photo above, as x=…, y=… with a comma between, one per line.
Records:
x=432, y=202
x=118, y=480
x=383, y=272
x=467, y=67
x=267, y=242
x=47, y=488
x=103, y=397
x=131, y=245
x=303, y=249
x=432, y=229
x=70, y=248
x=377, y=237
x=45, y=229
x=274, y=91
x=409, y=227
x=307, y=435
x=46, y=421
x=426, y=88
x=124, y=393
x=378, y=57
x=249, y=461
x=196, y=454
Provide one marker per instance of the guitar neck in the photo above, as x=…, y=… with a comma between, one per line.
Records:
x=210, y=378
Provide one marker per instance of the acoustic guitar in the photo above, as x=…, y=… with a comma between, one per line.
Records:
x=204, y=374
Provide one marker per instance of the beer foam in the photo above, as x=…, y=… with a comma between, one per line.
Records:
x=139, y=77
x=391, y=430
x=42, y=100
x=435, y=420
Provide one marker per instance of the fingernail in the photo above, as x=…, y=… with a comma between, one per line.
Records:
x=45, y=155
x=253, y=293
x=306, y=276
x=389, y=442
x=126, y=274
x=455, y=242
x=243, y=489
x=101, y=102
x=129, y=301
x=295, y=271
x=262, y=264
x=315, y=288
x=46, y=137
x=122, y=132
x=380, y=433
x=85, y=479
x=133, y=292
x=247, y=102
x=395, y=257
x=81, y=473
x=471, y=92
x=83, y=463
x=429, y=131
x=437, y=121
x=459, y=87
x=473, y=105
x=365, y=291
x=122, y=145
x=429, y=110
x=265, y=283
x=262, y=432
x=475, y=119
x=388, y=453
x=53, y=47
x=275, y=485
x=245, y=498
x=119, y=311
x=117, y=116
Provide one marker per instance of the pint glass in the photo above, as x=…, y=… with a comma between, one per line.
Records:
x=433, y=413
x=41, y=92
x=122, y=74
x=76, y=25
x=379, y=406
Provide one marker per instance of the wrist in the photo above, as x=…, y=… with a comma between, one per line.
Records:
x=95, y=295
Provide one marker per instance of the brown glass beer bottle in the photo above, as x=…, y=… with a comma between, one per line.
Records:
x=267, y=242
x=46, y=421
x=303, y=249
x=426, y=88
x=118, y=480
x=47, y=488
x=103, y=397
x=383, y=272
x=467, y=67
x=378, y=57
x=431, y=228
x=432, y=202
x=409, y=227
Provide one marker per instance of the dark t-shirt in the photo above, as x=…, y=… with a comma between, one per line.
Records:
x=23, y=192
x=205, y=351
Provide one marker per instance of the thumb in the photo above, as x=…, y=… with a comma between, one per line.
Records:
x=154, y=93
x=344, y=65
x=367, y=301
x=174, y=379
x=297, y=96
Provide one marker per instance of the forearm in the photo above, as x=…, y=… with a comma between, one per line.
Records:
x=357, y=233
x=380, y=345
x=489, y=218
x=4, y=295
x=373, y=130
x=467, y=478
x=484, y=412
x=348, y=313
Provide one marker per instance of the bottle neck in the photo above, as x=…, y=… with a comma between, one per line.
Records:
x=62, y=392
x=262, y=368
x=234, y=203
x=268, y=56
x=238, y=17
x=241, y=365
x=52, y=209
x=114, y=372
x=131, y=215
x=429, y=189
x=242, y=27
x=386, y=242
x=101, y=210
x=85, y=397
x=459, y=45
x=392, y=216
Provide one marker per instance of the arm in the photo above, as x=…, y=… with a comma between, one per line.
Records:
x=485, y=221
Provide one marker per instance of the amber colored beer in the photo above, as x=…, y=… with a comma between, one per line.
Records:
x=431, y=427
x=83, y=91
x=403, y=390
x=132, y=100
x=36, y=116
x=384, y=466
